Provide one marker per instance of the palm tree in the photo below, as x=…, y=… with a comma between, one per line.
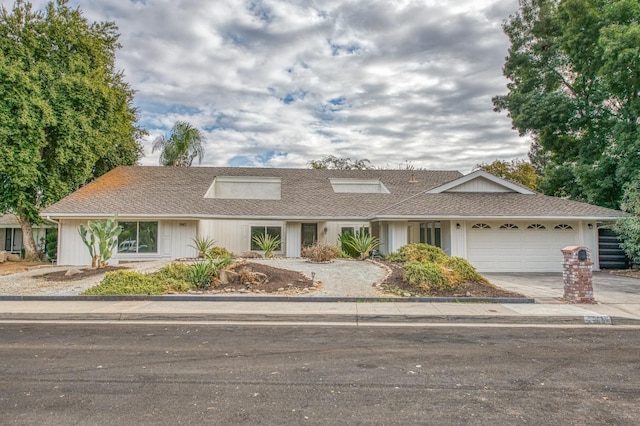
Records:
x=184, y=143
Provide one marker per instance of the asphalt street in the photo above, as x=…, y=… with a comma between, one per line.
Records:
x=61, y=374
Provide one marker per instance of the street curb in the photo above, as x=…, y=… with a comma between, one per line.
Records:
x=303, y=299
x=355, y=319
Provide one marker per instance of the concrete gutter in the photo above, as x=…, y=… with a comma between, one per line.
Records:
x=349, y=313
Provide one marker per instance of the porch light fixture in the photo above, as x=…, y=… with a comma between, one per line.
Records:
x=458, y=225
x=590, y=225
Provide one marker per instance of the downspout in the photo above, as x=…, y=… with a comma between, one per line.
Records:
x=59, y=236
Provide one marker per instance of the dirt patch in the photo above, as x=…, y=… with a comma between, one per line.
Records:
x=395, y=283
x=9, y=268
x=61, y=276
x=277, y=280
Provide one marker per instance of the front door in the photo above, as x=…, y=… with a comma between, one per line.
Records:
x=309, y=234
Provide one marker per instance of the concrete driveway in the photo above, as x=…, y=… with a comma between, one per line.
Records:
x=548, y=287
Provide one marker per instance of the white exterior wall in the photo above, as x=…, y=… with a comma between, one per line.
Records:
x=458, y=238
x=71, y=249
x=294, y=238
x=235, y=235
x=479, y=185
x=174, y=238
x=396, y=236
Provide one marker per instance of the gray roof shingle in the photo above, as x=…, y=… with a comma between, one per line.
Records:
x=306, y=193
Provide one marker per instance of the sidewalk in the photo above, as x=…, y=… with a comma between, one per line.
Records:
x=354, y=312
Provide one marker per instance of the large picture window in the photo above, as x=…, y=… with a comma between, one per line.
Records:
x=273, y=231
x=138, y=237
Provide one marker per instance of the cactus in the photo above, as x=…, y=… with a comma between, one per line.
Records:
x=105, y=234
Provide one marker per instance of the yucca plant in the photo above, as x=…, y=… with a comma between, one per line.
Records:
x=361, y=243
x=202, y=245
x=267, y=243
x=201, y=274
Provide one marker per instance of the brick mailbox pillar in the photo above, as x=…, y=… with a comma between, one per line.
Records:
x=577, y=274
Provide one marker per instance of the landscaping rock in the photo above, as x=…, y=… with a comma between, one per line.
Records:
x=228, y=277
x=3, y=256
x=13, y=257
x=73, y=271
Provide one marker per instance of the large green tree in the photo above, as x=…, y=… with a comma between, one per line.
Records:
x=66, y=113
x=574, y=67
x=335, y=163
x=519, y=171
x=181, y=146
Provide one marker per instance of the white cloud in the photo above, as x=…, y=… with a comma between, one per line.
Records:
x=279, y=83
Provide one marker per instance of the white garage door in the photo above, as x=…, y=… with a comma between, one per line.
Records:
x=519, y=246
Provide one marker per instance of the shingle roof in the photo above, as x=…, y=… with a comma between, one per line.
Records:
x=306, y=193
x=8, y=220
x=172, y=191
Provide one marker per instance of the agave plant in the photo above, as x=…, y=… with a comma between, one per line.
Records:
x=267, y=243
x=360, y=242
x=202, y=245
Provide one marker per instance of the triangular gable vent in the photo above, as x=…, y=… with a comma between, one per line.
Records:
x=480, y=181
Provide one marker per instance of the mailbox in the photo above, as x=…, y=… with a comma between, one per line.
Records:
x=582, y=255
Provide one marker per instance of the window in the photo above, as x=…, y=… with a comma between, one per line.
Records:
x=508, y=226
x=563, y=226
x=13, y=240
x=536, y=226
x=480, y=226
x=430, y=233
x=273, y=231
x=138, y=237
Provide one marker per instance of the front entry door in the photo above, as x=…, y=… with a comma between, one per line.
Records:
x=309, y=234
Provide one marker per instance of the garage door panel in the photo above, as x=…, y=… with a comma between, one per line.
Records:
x=519, y=250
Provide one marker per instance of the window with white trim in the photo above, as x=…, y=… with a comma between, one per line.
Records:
x=272, y=231
x=138, y=237
x=536, y=226
x=563, y=226
x=481, y=226
x=508, y=226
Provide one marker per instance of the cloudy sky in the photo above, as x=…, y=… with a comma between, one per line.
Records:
x=277, y=83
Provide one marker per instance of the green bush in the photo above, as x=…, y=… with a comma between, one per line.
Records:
x=418, y=252
x=201, y=274
x=426, y=275
x=463, y=270
x=130, y=282
x=219, y=252
x=320, y=252
x=175, y=270
x=360, y=244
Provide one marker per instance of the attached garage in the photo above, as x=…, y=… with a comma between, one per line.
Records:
x=513, y=246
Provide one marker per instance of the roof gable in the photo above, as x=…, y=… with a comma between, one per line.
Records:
x=479, y=181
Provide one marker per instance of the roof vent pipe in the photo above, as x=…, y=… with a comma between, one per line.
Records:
x=412, y=179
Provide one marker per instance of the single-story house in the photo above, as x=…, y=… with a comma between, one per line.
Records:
x=494, y=223
x=11, y=234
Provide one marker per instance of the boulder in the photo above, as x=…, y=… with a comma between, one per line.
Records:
x=13, y=257
x=3, y=256
x=228, y=277
x=73, y=271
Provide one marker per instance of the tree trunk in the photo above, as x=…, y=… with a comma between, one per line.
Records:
x=29, y=243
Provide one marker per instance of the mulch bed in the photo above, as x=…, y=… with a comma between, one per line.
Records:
x=278, y=280
x=61, y=276
x=396, y=284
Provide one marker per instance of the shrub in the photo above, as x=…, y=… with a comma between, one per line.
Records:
x=130, y=282
x=347, y=250
x=219, y=252
x=176, y=271
x=320, y=252
x=202, y=245
x=360, y=243
x=463, y=270
x=267, y=243
x=201, y=274
x=418, y=252
x=426, y=275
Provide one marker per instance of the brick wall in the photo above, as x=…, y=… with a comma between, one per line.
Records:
x=577, y=275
